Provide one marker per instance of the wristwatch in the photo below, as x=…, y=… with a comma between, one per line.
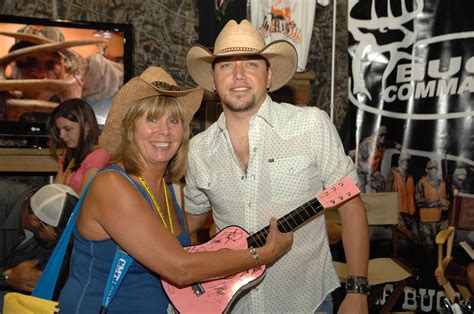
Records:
x=3, y=277
x=357, y=284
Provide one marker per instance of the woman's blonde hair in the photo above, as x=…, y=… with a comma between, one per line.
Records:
x=155, y=106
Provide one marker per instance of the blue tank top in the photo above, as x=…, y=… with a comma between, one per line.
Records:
x=141, y=290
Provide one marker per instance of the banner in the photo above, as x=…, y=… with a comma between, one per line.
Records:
x=411, y=104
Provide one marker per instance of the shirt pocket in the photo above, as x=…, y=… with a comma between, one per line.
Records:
x=289, y=178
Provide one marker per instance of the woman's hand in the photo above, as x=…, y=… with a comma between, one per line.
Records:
x=277, y=244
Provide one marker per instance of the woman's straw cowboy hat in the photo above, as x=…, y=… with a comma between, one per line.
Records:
x=154, y=81
x=242, y=39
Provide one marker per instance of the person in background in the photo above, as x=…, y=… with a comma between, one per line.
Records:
x=263, y=159
x=431, y=199
x=147, y=132
x=459, y=177
x=73, y=127
x=400, y=180
x=31, y=221
x=368, y=159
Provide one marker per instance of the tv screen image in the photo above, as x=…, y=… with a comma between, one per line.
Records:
x=44, y=62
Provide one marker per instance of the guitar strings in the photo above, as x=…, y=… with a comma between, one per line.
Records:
x=259, y=238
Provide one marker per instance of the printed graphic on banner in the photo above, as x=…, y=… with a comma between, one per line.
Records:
x=290, y=20
x=411, y=88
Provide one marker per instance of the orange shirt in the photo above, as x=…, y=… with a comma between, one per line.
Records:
x=406, y=192
x=431, y=194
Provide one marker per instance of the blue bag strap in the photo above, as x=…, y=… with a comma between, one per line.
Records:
x=45, y=287
x=46, y=284
x=122, y=260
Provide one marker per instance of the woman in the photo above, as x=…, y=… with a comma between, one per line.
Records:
x=72, y=125
x=132, y=204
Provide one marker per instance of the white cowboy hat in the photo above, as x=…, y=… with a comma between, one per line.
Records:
x=242, y=39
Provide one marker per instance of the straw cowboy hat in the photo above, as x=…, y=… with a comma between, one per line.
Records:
x=154, y=81
x=242, y=39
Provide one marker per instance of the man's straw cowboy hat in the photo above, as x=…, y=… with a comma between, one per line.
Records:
x=154, y=81
x=241, y=40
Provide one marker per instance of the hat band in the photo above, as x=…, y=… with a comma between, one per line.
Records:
x=232, y=49
x=165, y=86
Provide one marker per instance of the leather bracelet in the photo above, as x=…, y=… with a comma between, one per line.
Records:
x=255, y=256
x=357, y=284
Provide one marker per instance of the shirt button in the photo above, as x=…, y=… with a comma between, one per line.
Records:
x=250, y=205
x=253, y=177
x=291, y=170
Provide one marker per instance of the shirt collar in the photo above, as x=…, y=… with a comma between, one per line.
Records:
x=265, y=113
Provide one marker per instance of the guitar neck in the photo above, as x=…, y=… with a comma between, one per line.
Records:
x=338, y=193
x=287, y=223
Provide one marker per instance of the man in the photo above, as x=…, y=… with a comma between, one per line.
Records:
x=45, y=71
x=459, y=177
x=432, y=200
x=263, y=159
x=30, y=224
x=401, y=181
x=369, y=158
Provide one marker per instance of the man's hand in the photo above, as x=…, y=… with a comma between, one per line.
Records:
x=24, y=276
x=354, y=303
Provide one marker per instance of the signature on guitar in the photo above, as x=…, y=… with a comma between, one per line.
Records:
x=215, y=296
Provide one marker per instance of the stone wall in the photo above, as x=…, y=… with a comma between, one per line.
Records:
x=165, y=29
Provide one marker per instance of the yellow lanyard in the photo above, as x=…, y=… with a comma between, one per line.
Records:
x=66, y=172
x=157, y=207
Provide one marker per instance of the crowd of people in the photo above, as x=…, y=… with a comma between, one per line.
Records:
x=424, y=200
x=255, y=164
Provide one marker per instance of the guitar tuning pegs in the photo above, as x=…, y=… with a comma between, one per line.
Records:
x=326, y=193
x=340, y=198
x=341, y=183
x=333, y=188
x=333, y=202
x=348, y=193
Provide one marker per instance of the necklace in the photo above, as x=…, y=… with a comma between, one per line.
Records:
x=66, y=172
x=157, y=207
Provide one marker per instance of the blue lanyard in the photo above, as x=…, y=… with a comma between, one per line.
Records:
x=122, y=262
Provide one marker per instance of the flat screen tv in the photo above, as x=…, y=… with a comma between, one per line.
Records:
x=45, y=61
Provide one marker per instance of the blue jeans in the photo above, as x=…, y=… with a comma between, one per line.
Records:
x=2, y=295
x=326, y=306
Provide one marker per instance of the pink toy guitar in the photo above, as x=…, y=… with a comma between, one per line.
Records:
x=215, y=296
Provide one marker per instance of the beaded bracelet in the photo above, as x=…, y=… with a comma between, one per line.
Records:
x=255, y=256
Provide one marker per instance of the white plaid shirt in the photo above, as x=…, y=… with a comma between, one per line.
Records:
x=294, y=153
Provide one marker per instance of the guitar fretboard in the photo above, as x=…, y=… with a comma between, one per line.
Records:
x=287, y=223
